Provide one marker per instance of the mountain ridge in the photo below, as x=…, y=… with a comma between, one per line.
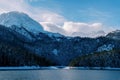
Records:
x=57, y=48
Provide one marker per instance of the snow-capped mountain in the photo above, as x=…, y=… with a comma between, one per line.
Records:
x=20, y=22
x=25, y=25
x=114, y=35
x=16, y=29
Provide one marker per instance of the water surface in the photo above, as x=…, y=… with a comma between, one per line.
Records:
x=60, y=75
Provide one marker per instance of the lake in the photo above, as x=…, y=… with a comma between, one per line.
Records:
x=60, y=75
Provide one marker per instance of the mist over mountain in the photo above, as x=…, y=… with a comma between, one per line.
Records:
x=75, y=29
x=25, y=41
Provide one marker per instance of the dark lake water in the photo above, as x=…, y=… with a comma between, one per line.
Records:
x=60, y=75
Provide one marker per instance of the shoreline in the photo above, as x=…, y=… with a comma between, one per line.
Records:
x=56, y=68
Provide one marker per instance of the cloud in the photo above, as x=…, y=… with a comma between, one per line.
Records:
x=12, y=5
x=52, y=27
x=72, y=27
x=77, y=29
x=51, y=17
x=52, y=21
x=38, y=13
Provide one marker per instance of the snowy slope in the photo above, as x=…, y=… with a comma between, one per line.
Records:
x=24, y=25
x=20, y=20
x=114, y=35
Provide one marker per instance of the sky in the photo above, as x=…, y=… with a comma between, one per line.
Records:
x=105, y=11
x=69, y=16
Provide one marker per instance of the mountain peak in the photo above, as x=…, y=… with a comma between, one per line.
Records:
x=20, y=20
x=114, y=35
x=15, y=13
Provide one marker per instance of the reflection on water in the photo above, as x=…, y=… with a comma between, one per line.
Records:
x=59, y=75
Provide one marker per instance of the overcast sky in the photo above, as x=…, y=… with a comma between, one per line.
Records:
x=69, y=15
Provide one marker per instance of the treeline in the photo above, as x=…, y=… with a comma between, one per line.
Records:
x=18, y=56
x=98, y=59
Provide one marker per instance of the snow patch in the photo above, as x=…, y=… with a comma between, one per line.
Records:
x=55, y=52
x=105, y=48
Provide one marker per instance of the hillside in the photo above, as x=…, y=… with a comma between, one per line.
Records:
x=24, y=43
x=99, y=59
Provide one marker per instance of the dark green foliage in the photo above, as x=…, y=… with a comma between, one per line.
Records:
x=17, y=56
x=16, y=49
x=99, y=59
